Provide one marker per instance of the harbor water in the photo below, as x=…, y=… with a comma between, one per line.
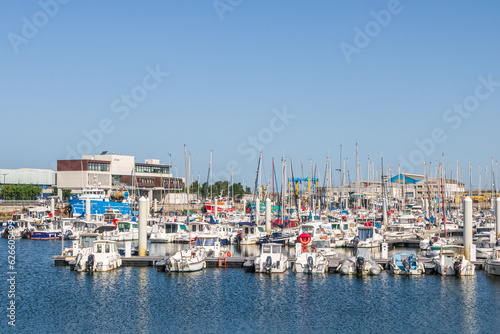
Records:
x=50, y=299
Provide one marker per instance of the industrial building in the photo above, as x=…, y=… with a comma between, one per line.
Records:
x=44, y=178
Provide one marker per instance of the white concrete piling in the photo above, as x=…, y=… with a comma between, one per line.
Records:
x=128, y=249
x=87, y=209
x=467, y=226
x=385, y=251
x=155, y=205
x=52, y=205
x=268, y=215
x=143, y=222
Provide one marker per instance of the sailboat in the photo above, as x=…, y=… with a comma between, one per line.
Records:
x=186, y=260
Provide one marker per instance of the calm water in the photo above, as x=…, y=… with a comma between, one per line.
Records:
x=53, y=299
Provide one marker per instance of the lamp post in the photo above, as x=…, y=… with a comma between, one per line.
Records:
x=4, y=174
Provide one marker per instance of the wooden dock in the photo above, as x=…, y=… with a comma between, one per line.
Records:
x=242, y=262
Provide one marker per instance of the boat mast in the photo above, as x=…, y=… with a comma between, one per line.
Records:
x=187, y=193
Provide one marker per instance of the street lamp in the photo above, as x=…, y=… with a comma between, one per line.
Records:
x=4, y=174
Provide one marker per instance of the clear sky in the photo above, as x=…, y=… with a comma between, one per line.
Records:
x=407, y=81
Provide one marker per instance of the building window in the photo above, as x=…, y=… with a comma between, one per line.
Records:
x=98, y=167
x=152, y=169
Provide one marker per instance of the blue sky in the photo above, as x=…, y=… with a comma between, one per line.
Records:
x=232, y=70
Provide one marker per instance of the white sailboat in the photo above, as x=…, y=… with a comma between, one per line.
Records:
x=186, y=260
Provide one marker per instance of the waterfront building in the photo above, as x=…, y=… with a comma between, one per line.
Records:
x=115, y=172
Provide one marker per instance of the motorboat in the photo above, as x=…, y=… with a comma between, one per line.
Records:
x=102, y=256
x=251, y=233
x=451, y=263
x=210, y=243
x=403, y=263
x=368, y=237
x=308, y=259
x=492, y=264
x=271, y=259
x=45, y=229
x=186, y=260
x=167, y=232
x=361, y=264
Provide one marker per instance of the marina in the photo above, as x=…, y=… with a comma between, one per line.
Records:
x=236, y=166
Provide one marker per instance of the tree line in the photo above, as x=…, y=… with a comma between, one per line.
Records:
x=20, y=191
x=219, y=188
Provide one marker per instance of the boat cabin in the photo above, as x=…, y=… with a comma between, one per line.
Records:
x=127, y=226
x=174, y=227
x=366, y=232
x=105, y=247
x=313, y=229
x=249, y=229
x=200, y=227
x=271, y=249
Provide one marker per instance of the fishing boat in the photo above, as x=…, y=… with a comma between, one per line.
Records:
x=271, y=260
x=403, y=263
x=102, y=256
x=45, y=229
x=308, y=259
x=492, y=264
x=451, y=263
x=99, y=202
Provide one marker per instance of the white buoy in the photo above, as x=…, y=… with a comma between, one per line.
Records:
x=385, y=250
x=87, y=209
x=497, y=217
x=128, y=249
x=52, y=204
x=257, y=211
x=268, y=215
x=143, y=222
x=467, y=226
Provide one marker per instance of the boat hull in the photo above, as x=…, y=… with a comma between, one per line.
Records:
x=45, y=236
x=492, y=267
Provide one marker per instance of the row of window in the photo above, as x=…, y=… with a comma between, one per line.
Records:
x=152, y=169
x=98, y=167
x=145, y=181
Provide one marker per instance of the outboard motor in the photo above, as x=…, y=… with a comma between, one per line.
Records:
x=5, y=233
x=168, y=264
x=238, y=238
x=269, y=263
x=67, y=234
x=355, y=241
x=25, y=234
x=310, y=263
x=406, y=264
x=457, y=266
x=90, y=263
x=360, y=261
x=431, y=242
